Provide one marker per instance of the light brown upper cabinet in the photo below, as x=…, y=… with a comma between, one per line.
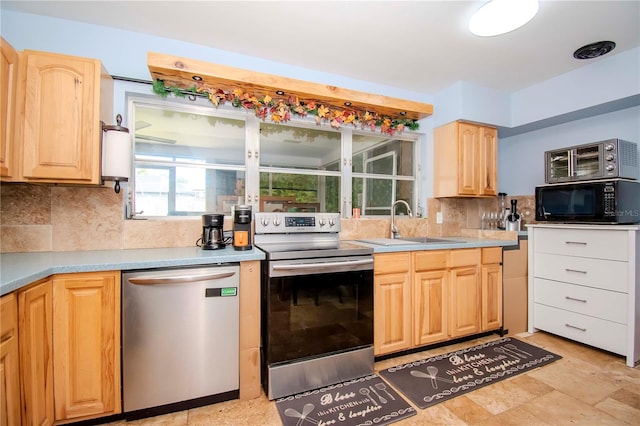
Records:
x=9, y=78
x=60, y=102
x=465, y=160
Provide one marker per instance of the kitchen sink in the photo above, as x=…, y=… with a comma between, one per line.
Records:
x=428, y=240
x=405, y=241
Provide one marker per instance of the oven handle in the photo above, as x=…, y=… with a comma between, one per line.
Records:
x=293, y=267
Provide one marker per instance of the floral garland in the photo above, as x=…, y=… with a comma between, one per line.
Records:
x=280, y=110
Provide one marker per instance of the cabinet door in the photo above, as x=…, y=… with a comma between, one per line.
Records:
x=430, y=310
x=464, y=303
x=491, y=297
x=468, y=159
x=392, y=313
x=488, y=156
x=87, y=343
x=61, y=127
x=9, y=364
x=35, y=307
x=9, y=80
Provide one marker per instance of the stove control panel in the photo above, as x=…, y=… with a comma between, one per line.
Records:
x=283, y=222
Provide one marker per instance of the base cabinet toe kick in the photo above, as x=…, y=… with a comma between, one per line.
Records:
x=584, y=285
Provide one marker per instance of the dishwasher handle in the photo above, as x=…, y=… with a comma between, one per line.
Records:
x=180, y=279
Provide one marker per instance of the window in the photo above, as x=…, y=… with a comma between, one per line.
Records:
x=383, y=172
x=191, y=158
x=299, y=168
x=187, y=161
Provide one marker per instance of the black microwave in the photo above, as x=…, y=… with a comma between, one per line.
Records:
x=615, y=201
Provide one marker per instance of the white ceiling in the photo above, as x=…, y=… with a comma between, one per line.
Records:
x=422, y=46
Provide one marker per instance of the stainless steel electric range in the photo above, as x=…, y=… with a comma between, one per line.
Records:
x=317, y=303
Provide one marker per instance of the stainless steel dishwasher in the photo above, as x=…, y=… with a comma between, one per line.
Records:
x=180, y=338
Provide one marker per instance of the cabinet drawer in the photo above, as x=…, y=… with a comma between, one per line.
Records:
x=606, y=274
x=391, y=263
x=464, y=257
x=431, y=260
x=491, y=255
x=601, y=244
x=596, y=332
x=603, y=304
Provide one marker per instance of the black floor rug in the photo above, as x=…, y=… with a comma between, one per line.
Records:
x=358, y=402
x=434, y=380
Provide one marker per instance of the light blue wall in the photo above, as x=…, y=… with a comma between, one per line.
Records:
x=521, y=157
x=565, y=97
x=606, y=80
x=124, y=53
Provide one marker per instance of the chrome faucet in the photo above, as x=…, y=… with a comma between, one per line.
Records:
x=394, y=230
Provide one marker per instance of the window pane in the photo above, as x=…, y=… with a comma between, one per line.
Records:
x=373, y=196
x=301, y=149
x=297, y=192
x=190, y=190
x=298, y=147
x=188, y=135
x=152, y=191
x=187, y=161
x=375, y=154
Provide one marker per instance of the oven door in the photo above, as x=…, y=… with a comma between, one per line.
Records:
x=316, y=307
x=578, y=202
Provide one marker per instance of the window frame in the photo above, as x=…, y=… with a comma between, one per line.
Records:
x=251, y=166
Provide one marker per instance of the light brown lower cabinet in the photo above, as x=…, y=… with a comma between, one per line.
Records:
x=9, y=363
x=431, y=297
x=77, y=318
x=427, y=297
x=35, y=311
x=492, y=310
x=391, y=302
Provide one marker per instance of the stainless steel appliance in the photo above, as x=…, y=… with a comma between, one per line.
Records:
x=180, y=338
x=242, y=227
x=317, y=303
x=598, y=160
x=614, y=201
x=513, y=219
x=212, y=231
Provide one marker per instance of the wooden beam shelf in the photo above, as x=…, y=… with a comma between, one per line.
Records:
x=188, y=73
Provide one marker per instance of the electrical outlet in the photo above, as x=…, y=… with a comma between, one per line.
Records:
x=439, y=217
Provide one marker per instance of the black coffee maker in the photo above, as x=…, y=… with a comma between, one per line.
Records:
x=242, y=227
x=212, y=231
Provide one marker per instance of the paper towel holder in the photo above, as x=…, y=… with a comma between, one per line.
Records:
x=116, y=153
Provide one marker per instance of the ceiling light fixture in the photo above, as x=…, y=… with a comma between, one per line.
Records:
x=502, y=16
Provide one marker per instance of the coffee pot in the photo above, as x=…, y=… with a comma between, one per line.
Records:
x=242, y=227
x=212, y=231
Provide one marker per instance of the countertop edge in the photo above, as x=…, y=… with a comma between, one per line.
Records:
x=624, y=227
x=464, y=243
x=20, y=269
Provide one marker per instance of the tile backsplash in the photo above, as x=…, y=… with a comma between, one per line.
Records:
x=65, y=218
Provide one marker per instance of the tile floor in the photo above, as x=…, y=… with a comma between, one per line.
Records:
x=585, y=387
